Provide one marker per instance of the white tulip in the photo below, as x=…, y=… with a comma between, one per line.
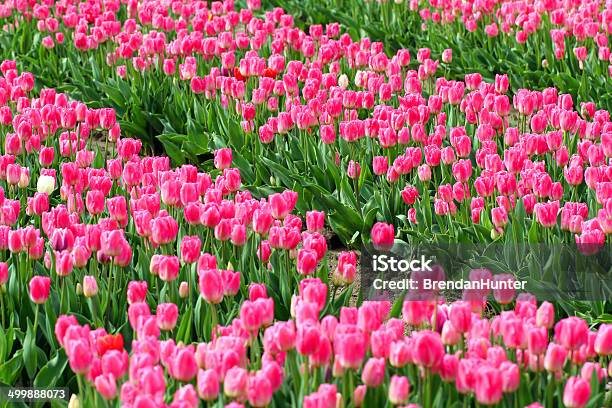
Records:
x=46, y=184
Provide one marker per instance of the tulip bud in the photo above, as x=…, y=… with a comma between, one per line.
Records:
x=339, y=401
x=90, y=286
x=3, y=273
x=74, y=402
x=496, y=233
x=359, y=395
x=183, y=290
x=24, y=178
x=545, y=316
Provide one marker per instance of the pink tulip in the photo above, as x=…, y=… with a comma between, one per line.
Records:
x=555, y=357
x=306, y=261
x=499, y=216
x=545, y=316
x=416, y=312
x=231, y=282
x=90, y=286
x=136, y=291
x=183, y=364
x=168, y=268
x=380, y=165
x=259, y=390
x=236, y=382
x=80, y=355
x=359, y=395
x=488, y=386
x=603, y=341
x=383, y=236
x=504, y=293
x=576, y=393
x=208, y=385
x=571, y=332
x=350, y=348
x=40, y=287
x=461, y=316
x=448, y=370
x=428, y=349
x=190, y=249
x=167, y=315
x=546, y=213
x=106, y=386
x=211, y=286
x=399, y=388
x=353, y=170
x=373, y=373
x=450, y=336
x=400, y=353
x=315, y=221
x=537, y=340
x=3, y=273
x=279, y=206
x=223, y=158
x=114, y=362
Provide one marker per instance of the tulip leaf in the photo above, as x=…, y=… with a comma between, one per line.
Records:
x=30, y=355
x=51, y=372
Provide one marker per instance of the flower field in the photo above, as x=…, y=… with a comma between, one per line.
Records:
x=194, y=196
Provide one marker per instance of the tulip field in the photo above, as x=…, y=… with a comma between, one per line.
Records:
x=192, y=193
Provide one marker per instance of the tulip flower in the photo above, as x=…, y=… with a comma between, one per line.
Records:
x=576, y=393
x=39, y=289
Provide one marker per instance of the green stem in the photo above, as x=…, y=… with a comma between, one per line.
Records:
x=93, y=311
x=215, y=317
x=2, y=306
x=62, y=294
x=35, y=321
x=428, y=383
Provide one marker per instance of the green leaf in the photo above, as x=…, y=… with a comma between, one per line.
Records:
x=52, y=371
x=29, y=350
x=11, y=369
x=173, y=149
